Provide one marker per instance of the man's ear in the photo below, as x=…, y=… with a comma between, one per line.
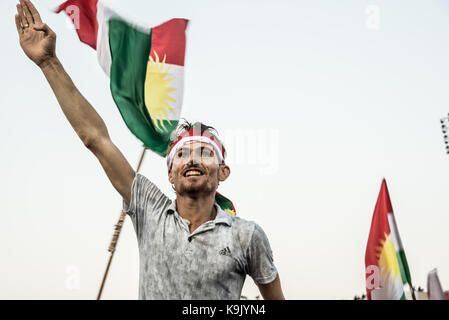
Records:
x=223, y=172
x=170, y=177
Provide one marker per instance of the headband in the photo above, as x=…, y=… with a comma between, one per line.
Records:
x=189, y=137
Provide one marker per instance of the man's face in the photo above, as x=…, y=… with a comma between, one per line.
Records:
x=195, y=170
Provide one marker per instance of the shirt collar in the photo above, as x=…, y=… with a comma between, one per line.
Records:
x=222, y=216
x=172, y=207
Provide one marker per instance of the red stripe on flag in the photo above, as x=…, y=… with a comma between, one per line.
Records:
x=169, y=40
x=379, y=227
x=84, y=16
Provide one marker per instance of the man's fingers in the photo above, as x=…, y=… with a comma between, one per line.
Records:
x=45, y=28
x=18, y=25
x=34, y=13
x=42, y=27
x=22, y=18
x=26, y=11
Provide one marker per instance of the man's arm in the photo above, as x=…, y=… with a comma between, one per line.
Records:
x=261, y=266
x=272, y=290
x=38, y=42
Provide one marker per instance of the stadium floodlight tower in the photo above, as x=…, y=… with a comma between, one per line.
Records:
x=445, y=129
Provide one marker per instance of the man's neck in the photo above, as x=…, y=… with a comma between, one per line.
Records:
x=196, y=210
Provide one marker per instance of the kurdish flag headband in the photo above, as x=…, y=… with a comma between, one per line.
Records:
x=195, y=135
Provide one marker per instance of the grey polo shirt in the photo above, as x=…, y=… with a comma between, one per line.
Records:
x=210, y=263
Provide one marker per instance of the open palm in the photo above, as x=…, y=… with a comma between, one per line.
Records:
x=37, y=40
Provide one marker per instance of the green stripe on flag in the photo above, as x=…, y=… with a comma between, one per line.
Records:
x=130, y=51
x=403, y=266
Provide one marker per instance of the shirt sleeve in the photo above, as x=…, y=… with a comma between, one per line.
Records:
x=146, y=201
x=260, y=258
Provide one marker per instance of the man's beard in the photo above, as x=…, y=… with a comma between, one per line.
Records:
x=195, y=191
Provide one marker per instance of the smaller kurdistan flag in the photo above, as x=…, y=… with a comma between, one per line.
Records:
x=145, y=66
x=385, y=252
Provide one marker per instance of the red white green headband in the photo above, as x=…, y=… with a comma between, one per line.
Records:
x=192, y=136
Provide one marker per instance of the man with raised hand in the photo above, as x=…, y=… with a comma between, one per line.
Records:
x=189, y=247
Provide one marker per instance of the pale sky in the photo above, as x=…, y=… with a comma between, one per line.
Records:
x=316, y=101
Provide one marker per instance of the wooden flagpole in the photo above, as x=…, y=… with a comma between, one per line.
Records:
x=115, y=236
x=413, y=291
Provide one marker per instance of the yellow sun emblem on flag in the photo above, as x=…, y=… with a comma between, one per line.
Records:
x=157, y=91
x=388, y=260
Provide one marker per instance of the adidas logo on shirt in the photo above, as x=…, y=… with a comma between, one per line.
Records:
x=225, y=252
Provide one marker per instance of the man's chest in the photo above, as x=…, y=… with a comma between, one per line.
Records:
x=207, y=252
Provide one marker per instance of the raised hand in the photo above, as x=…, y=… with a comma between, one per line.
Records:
x=37, y=40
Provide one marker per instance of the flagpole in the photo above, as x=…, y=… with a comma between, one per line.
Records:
x=115, y=236
x=413, y=291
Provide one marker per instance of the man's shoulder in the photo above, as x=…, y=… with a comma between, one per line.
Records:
x=245, y=229
x=146, y=196
x=144, y=183
x=242, y=223
x=140, y=178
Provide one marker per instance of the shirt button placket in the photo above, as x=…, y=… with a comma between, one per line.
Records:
x=189, y=250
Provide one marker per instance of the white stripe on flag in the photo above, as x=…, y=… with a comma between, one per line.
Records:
x=103, y=49
x=394, y=233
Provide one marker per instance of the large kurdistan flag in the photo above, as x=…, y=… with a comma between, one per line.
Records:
x=385, y=253
x=146, y=70
x=145, y=66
